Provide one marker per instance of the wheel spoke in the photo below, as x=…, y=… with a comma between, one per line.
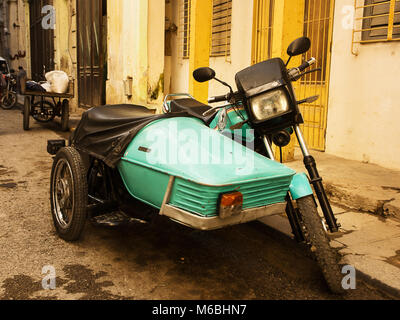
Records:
x=62, y=173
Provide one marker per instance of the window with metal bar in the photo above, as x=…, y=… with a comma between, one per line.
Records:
x=379, y=21
x=184, y=23
x=221, y=28
x=316, y=27
x=263, y=30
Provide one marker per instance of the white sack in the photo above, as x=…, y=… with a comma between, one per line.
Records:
x=58, y=80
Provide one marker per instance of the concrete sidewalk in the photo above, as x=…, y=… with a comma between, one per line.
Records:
x=366, y=201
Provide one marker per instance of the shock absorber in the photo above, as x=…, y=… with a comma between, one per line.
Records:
x=316, y=181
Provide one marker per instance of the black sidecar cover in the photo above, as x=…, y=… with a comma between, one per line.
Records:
x=105, y=132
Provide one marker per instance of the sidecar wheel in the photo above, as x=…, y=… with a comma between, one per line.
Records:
x=69, y=192
x=326, y=257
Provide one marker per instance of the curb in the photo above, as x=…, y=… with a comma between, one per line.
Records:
x=364, y=199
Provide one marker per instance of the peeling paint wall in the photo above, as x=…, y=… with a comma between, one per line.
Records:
x=156, y=51
x=65, y=52
x=136, y=49
x=16, y=19
x=115, y=37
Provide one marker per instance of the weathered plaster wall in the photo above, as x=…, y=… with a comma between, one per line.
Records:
x=136, y=50
x=364, y=108
x=17, y=12
x=156, y=51
x=65, y=53
x=126, y=47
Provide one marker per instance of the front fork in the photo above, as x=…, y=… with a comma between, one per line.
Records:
x=315, y=180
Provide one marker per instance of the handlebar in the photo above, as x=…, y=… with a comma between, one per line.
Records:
x=219, y=98
x=296, y=73
x=307, y=64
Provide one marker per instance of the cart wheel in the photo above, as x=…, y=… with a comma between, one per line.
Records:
x=65, y=115
x=68, y=194
x=43, y=111
x=27, y=113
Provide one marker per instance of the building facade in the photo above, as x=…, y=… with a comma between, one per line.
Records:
x=137, y=51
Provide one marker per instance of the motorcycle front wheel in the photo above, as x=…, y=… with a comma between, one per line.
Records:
x=9, y=100
x=316, y=235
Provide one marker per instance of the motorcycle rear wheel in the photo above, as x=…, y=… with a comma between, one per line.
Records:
x=69, y=194
x=319, y=241
x=9, y=100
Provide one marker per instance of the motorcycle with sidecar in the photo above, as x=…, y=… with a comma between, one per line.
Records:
x=204, y=167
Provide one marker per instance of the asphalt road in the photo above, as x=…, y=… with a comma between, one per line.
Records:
x=161, y=260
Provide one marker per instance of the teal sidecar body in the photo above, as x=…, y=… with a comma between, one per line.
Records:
x=183, y=168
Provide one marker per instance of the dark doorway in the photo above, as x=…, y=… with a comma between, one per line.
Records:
x=92, y=52
x=42, y=41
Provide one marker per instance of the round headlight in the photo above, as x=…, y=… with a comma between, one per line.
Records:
x=270, y=105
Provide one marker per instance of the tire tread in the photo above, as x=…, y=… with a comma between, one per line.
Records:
x=325, y=255
x=73, y=233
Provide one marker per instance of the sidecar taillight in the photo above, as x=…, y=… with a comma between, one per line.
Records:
x=230, y=204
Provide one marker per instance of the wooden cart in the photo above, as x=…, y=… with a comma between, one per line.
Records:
x=45, y=106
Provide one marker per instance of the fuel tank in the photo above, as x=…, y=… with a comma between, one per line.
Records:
x=236, y=115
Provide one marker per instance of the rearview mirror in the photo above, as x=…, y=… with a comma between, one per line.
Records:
x=299, y=46
x=204, y=74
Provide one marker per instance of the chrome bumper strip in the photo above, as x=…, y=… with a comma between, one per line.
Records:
x=202, y=223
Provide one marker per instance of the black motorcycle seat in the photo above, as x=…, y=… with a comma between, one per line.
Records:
x=193, y=107
x=116, y=114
